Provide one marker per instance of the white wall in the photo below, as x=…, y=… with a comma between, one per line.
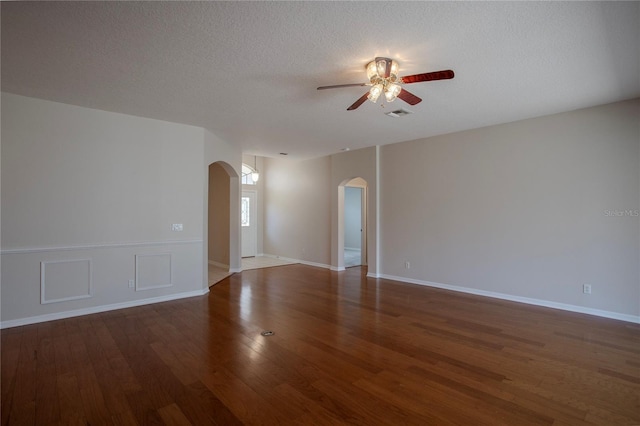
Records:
x=362, y=163
x=302, y=204
x=521, y=209
x=80, y=184
x=524, y=210
x=297, y=211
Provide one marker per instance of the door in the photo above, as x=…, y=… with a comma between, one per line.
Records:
x=248, y=222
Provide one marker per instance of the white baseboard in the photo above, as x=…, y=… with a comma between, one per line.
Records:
x=306, y=262
x=273, y=256
x=512, y=298
x=235, y=270
x=218, y=264
x=98, y=309
x=303, y=262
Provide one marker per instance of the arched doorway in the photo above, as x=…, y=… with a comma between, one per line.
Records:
x=352, y=223
x=223, y=248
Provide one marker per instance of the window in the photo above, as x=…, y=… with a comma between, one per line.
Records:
x=244, y=211
x=247, y=179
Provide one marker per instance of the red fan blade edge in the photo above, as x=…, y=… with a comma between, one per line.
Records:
x=428, y=76
x=409, y=97
x=359, y=102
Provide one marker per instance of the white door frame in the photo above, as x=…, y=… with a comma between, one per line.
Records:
x=363, y=224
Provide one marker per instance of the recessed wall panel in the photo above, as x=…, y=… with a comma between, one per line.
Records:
x=64, y=280
x=153, y=271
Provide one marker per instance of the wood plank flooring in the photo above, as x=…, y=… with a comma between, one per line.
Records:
x=346, y=350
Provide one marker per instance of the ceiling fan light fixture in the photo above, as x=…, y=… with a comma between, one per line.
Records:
x=375, y=92
x=392, y=91
x=372, y=72
x=383, y=77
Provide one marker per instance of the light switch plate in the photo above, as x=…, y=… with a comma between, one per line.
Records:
x=176, y=227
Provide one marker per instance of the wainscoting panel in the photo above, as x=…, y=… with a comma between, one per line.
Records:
x=46, y=283
x=64, y=280
x=153, y=271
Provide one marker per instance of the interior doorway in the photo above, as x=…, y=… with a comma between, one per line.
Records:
x=222, y=222
x=354, y=219
x=353, y=229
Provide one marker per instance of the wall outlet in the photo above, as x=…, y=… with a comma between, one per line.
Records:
x=586, y=288
x=132, y=284
x=407, y=265
x=176, y=227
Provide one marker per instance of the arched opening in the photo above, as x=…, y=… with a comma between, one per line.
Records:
x=352, y=223
x=222, y=222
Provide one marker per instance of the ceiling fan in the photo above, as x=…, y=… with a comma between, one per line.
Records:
x=383, y=78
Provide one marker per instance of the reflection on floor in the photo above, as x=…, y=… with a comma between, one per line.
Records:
x=217, y=274
x=352, y=257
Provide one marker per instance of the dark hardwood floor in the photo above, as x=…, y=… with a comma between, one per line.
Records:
x=346, y=349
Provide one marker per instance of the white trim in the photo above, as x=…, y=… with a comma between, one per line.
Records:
x=98, y=246
x=169, y=284
x=43, y=265
x=520, y=299
x=98, y=309
x=372, y=275
x=218, y=264
x=235, y=270
x=273, y=256
x=306, y=262
x=378, y=209
x=337, y=268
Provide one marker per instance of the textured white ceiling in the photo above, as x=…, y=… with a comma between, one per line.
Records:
x=248, y=71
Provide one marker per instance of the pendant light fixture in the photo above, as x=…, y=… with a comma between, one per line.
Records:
x=254, y=174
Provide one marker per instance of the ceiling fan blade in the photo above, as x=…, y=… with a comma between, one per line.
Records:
x=359, y=102
x=428, y=76
x=337, y=86
x=409, y=97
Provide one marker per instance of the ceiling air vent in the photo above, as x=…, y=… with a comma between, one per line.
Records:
x=398, y=113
